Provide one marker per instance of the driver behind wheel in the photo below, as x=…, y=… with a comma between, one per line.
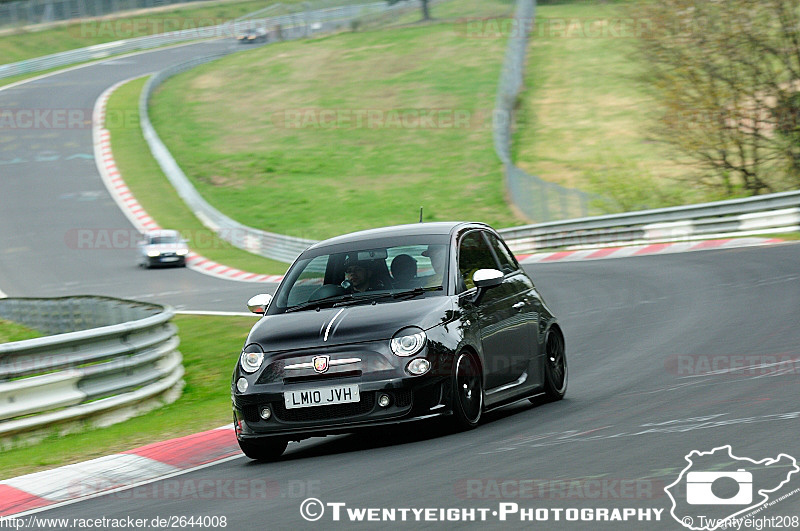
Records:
x=360, y=276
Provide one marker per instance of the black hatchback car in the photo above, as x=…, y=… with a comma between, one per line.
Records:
x=392, y=325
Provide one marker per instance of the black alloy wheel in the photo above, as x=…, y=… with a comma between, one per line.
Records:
x=467, y=391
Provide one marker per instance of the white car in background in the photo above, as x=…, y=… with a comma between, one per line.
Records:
x=162, y=248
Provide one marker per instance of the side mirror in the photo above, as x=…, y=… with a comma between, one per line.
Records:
x=259, y=303
x=485, y=279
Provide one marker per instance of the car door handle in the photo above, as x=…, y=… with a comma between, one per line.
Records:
x=519, y=305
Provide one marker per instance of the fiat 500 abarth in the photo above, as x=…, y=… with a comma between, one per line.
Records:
x=392, y=325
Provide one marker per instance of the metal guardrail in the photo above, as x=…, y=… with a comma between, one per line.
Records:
x=270, y=245
x=766, y=214
x=107, y=354
x=538, y=200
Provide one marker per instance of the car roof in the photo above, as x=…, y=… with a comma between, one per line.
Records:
x=412, y=229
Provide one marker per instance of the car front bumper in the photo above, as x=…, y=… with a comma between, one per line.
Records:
x=410, y=399
x=166, y=261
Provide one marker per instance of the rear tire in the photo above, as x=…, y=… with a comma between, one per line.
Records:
x=263, y=450
x=467, y=391
x=555, y=365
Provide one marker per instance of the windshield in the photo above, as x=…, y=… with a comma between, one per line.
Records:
x=361, y=271
x=162, y=240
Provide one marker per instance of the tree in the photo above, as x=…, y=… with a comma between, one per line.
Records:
x=728, y=75
x=426, y=13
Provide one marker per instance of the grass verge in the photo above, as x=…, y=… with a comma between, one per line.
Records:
x=313, y=138
x=154, y=192
x=15, y=332
x=584, y=117
x=210, y=346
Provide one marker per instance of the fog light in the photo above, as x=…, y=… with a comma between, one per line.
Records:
x=241, y=385
x=418, y=366
x=384, y=400
x=265, y=413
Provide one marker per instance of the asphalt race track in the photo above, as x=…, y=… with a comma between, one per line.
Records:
x=51, y=190
x=643, y=335
x=630, y=413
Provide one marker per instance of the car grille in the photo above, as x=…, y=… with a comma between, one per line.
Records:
x=321, y=377
x=338, y=411
x=402, y=398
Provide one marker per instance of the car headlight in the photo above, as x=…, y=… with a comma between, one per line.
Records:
x=182, y=252
x=152, y=253
x=408, y=342
x=252, y=358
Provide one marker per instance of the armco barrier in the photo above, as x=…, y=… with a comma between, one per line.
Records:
x=107, y=355
x=766, y=214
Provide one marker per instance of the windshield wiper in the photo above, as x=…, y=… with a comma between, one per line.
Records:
x=319, y=303
x=411, y=293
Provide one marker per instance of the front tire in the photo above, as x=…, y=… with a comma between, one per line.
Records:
x=263, y=450
x=467, y=391
x=555, y=365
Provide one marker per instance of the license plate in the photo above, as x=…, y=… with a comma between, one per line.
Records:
x=169, y=259
x=321, y=396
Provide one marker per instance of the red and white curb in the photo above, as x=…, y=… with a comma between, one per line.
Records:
x=116, y=472
x=643, y=250
x=137, y=215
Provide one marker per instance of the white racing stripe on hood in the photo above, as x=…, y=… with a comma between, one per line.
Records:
x=327, y=330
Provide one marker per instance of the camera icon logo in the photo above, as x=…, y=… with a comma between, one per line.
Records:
x=700, y=487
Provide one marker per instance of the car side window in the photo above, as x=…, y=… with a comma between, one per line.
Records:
x=507, y=262
x=473, y=254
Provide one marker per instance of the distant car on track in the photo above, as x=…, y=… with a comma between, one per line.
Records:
x=162, y=248
x=392, y=325
x=253, y=35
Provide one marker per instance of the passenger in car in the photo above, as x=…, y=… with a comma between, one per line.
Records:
x=404, y=271
x=436, y=253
